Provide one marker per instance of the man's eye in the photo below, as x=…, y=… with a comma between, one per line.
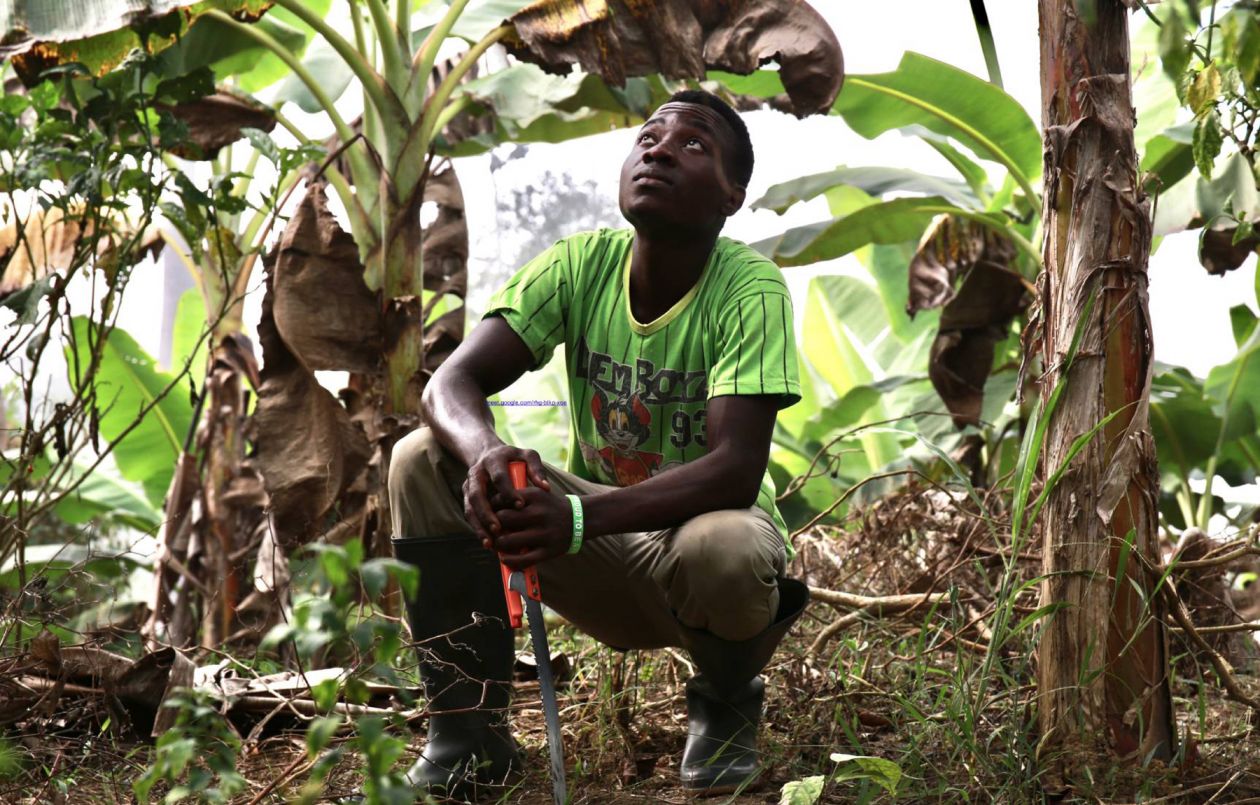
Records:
x=696, y=142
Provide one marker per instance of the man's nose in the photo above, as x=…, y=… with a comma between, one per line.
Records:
x=661, y=151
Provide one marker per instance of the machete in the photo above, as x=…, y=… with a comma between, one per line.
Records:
x=522, y=585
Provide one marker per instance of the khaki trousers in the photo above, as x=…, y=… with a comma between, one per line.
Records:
x=717, y=571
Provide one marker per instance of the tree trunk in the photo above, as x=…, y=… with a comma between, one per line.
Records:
x=1099, y=697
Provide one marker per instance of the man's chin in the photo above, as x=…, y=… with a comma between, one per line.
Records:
x=652, y=217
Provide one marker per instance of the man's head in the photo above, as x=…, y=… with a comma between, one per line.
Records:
x=689, y=167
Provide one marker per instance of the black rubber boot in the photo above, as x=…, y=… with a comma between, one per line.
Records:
x=459, y=621
x=724, y=701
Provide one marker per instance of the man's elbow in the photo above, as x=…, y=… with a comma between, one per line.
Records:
x=744, y=491
x=435, y=389
x=428, y=399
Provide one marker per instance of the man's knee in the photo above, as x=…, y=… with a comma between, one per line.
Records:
x=422, y=483
x=414, y=459
x=725, y=566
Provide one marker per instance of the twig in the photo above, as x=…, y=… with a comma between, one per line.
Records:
x=1249, y=626
x=864, y=605
x=308, y=708
x=1246, y=545
x=1223, y=669
x=290, y=771
x=879, y=603
x=847, y=494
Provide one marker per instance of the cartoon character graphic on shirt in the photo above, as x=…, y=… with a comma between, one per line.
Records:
x=624, y=422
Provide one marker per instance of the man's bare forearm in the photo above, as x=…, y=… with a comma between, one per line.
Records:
x=712, y=482
x=455, y=408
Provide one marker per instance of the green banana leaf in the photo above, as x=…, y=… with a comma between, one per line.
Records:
x=1169, y=155
x=228, y=52
x=874, y=181
x=104, y=495
x=188, y=337
x=926, y=92
x=897, y=221
x=128, y=380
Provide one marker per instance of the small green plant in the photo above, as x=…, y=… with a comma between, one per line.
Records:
x=10, y=760
x=197, y=757
x=807, y=791
x=333, y=617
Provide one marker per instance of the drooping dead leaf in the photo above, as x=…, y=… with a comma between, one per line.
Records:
x=976, y=315
x=149, y=682
x=42, y=244
x=323, y=310
x=1220, y=253
x=948, y=247
x=441, y=338
x=216, y=121
x=684, y=38
x=309, y=451
x=445, y=239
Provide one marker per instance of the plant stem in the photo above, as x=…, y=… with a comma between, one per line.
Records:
x=356, y=19
x=452, y=109
x=391, y=48
x=267, y=41
x=985, y=32
x=374, y=86
x=427, y=54
x=402, y=19
x=1211, y=27
x=437, y=100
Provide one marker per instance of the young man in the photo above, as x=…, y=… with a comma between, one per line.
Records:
x=680, y=353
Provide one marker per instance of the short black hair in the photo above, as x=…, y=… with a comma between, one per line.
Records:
x=740, y=162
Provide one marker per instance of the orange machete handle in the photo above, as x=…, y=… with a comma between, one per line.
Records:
x=516, y=607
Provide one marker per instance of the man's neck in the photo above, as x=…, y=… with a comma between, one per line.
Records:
x=662, y=270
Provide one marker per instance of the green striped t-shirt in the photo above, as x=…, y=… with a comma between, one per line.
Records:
x=638, y=392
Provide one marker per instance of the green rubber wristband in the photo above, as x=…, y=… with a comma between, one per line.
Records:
x=579, y=523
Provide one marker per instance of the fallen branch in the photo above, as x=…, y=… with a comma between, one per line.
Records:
x=878, y=604
x=296, y=767
x=863, y=605
x=1225, y=553
x=1247, y=626
x=308, y=708
x=1222, y=666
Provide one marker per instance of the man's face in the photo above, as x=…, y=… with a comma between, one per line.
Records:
x=675, y=177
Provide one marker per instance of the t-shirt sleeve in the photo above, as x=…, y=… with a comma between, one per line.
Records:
x=756, y=347
x=535, y=301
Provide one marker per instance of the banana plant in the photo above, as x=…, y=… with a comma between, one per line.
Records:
x=975, y=232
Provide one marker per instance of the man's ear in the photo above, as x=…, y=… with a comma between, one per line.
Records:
x=734, y=200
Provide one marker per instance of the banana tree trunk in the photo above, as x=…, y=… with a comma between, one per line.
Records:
x=215, y=511
x=1103, y=659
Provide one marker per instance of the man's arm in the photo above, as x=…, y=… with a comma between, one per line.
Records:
x=728, y=476
x=454, y=405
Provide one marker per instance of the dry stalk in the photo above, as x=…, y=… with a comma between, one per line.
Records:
x=1219, y=663
x=295, y=767
x=866, y=605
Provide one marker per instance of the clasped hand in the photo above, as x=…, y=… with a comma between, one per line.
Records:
x=525, y=526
